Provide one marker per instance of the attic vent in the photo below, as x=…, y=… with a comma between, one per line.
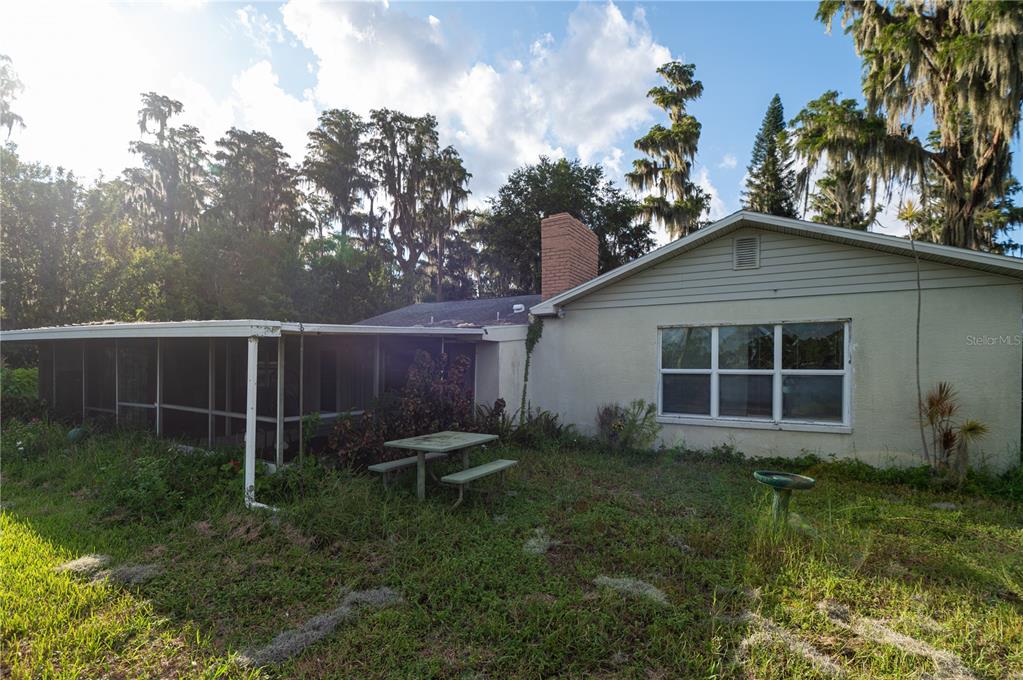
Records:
x=746, y=252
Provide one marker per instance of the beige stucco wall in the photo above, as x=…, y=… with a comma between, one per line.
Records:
x=500, y=366
x=597, y=355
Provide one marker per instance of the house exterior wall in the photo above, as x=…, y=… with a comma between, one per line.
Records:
x=500, y=367
x=605, y=349
x=790, y=266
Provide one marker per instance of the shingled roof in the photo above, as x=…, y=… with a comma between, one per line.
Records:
x=459, y=313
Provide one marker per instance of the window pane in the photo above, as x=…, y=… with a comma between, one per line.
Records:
x=812, y=397
x=746, y=347
x=748, y=396
x=813, y=345
x=686, y=394
x=685, y=348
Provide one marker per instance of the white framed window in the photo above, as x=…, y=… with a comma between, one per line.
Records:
x=789, y=375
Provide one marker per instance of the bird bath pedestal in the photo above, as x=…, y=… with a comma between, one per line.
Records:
x=783, y=484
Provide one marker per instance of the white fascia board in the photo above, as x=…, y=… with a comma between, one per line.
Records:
x=346, y=329
x=241, y=328
x=989, y=262
x=505, y=333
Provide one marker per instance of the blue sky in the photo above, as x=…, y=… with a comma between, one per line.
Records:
x=508, y=81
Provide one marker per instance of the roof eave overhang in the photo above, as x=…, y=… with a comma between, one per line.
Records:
x=995, y=264
x=221, y=329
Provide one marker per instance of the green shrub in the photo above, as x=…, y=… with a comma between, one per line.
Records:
x=495, y=420
x=435, y=398
x=625, y=429
x=18, y=394
x=140, y=490
x=721, y=453
x=30, y=438
x=541, y=429
x=19, y=382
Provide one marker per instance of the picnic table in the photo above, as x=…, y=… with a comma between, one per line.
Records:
x=439, y=442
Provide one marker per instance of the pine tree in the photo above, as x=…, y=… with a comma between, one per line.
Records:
x=771, y=181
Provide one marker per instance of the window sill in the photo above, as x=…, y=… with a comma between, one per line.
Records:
x=739, y=423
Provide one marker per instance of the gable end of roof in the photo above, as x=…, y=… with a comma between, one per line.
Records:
x=960, y=257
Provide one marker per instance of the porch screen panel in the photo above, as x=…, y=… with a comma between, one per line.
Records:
x=454, y=350
x=291, y=373
x=136, y=418
x=45, y=350
x=137, y=371
x=186, y=372
x=68, y=368
x=266, y=379
x=186, y=426
x=99, y=372
x=398, y=355
x=238, y=357
x=355, y=374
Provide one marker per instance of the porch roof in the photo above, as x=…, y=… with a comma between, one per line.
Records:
x=233, y=328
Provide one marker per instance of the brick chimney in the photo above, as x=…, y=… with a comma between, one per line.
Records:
x=568, y=254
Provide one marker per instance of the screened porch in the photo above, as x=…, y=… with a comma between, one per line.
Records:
x=212, y=384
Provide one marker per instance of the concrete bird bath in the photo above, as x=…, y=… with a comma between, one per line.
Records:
x=783, y=484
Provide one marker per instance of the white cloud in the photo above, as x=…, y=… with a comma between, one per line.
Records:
x=728, y=161
x=81, y=90
x=717, y=208
x=580, y=91
x=82, y=93
x=572, y=96
x=259, y=28
x=261, y=104
x=185, y=5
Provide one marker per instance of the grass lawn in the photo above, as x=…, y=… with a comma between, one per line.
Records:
x=929, y=592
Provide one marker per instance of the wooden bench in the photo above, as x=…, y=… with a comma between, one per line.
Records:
x=387, y=467
x=463, y=478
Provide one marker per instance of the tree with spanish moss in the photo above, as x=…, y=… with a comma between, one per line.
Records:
x=676, y=201
x=962, y=62
x=168, y=193
x=335, y=164
x=847, y=192
x=10, y=87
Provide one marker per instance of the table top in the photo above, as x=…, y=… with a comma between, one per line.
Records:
x=442, y=442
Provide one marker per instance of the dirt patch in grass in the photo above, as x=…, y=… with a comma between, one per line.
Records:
x=948, y=666
x=634, y=588
x=84, y=565
x=291, y=642
x=203, y=528
x=244, y=528
x=539, y=543
x=767, y=631
x=130, y=574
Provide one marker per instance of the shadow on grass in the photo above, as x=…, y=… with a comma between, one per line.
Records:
x=476, y=601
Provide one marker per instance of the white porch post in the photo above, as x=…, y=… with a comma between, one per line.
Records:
x=211, y=365
x=227, y=388
x=250, y=423
x=117, y=382
x=159, y=387
x=83, y=381
x=280, y=402
x=301, y=396
x=53, y=358
x=376, y=366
